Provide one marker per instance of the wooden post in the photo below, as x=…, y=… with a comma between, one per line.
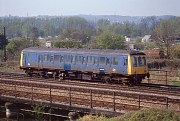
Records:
x=15, y=91
x=166, y=78
x=167, y=103
x=70, y=96
x=50, y=94
x=114, y=103
x=32, y=98
x=91, y=99
x=139, y=101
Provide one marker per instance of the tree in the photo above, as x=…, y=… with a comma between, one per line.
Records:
x=110, y=41
x=15, y=46
x=163, y=35
x=67, y=43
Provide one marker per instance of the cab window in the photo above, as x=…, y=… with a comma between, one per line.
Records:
x=134, y=61
x=144, y=61
x=139, y=61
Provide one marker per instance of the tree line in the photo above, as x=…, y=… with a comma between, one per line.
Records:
x=78, y=32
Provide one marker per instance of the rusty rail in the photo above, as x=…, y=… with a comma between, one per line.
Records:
x=74, y=96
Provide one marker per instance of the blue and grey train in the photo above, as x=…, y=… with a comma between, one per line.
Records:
x=105, y=64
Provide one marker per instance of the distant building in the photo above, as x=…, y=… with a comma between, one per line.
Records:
x=48, y=43
x=128, y=39
x=146, y=38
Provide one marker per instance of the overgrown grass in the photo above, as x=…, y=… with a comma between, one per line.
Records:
x=10, y=66
x=146, y=114
x=176, y=83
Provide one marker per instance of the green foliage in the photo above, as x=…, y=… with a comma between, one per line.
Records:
x=176, y=51
x=141, y=115
x=15, y=46
x=39, y=110
x=110, y=41
x=67, y=43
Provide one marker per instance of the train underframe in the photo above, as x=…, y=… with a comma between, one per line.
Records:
x=107, y=78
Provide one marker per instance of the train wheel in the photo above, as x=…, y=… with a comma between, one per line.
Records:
x=107, y=80
x=61, y=76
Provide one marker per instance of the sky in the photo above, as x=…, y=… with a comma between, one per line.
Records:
x=89, y=7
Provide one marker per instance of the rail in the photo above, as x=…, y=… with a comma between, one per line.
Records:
x=81, y=97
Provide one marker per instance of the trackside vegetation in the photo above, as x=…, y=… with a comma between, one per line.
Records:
x=145, y=114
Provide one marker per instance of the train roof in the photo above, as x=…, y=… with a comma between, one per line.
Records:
x=84, y=51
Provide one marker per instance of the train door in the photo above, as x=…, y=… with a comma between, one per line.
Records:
x=114, y=65
x=67, y=62
x=123, y=64
x=57, y=61
x=40, y=61
x=31, y=59
x=102, y=65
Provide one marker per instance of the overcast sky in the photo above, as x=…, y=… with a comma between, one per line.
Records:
x=89, y=7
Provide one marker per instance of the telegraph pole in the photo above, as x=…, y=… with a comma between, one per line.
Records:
x=5, y=43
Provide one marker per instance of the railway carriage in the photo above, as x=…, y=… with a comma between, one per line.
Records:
x=107, y=65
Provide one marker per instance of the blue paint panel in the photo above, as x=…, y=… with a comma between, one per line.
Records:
x=31, y=59
x=122, y=64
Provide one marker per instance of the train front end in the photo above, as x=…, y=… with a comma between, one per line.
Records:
x=138, y=69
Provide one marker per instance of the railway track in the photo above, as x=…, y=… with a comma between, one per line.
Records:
x=144, y=88
x=87, y=94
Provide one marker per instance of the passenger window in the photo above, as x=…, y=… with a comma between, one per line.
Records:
x=102, y=60
x=96, y=61
x=28, y=57
x=73, y=60
x=107, y=61
x=115, y=61
x=40, y=58
x=45, y=57
x=78, y=59
x=62, y=59
x=134, y=61
x=90, y=60
x=52, y=58
x=57, y=58
x=24, y=55
x=68, y=58
x=125, y=62
x=84, y=60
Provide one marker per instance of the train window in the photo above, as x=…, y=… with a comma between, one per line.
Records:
x=24, y=55
x=134, y=61
x=40, y=58
x=56, y=57
x=52, y=58
x=143, y=61
x=73, y=59
x=62, y=59
x=125, y=62
x=115, y=61
x=107, y=61
x=96, y=61
x=102, y=60
x=90, y=60
x=45, y=57
x=78, y=59
x=28, y=57
x=139, y=61
x=68, y=58
x=84, y=60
